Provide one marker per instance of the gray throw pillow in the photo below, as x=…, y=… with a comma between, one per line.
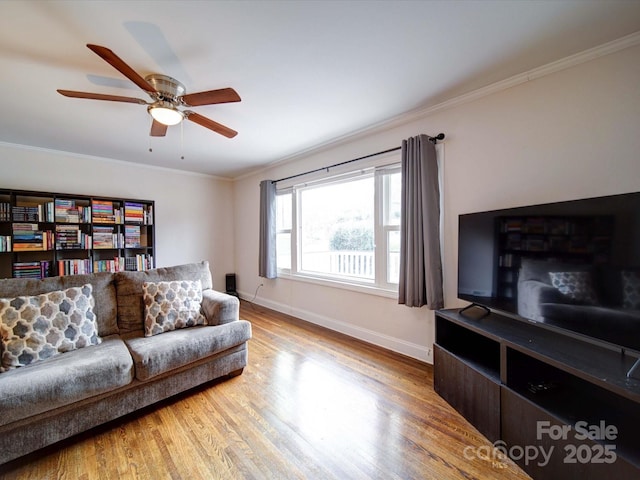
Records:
x=34, y=328
x=171, y=305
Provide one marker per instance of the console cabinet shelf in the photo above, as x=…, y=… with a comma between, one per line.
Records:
x=533, y=387
x=46, y=234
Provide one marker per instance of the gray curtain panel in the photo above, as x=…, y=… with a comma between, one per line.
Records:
x=267, y=266
x=420, y=262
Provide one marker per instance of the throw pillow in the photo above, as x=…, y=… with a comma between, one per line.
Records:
x=171, y=305
x=577, y=286
x=631, y=290
x=35, y=328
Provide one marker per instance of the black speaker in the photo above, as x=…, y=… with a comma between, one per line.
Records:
x=231, y=284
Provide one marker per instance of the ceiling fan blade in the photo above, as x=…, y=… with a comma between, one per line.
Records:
x=223, y=95
x=158, y=129
x=119, y=64
x=100, y=96
x=210, y=124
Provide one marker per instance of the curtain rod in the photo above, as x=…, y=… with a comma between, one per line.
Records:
x=440, y=136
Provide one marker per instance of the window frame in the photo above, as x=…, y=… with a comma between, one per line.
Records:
x=380, y=284
x=383, y=225
x=290, y=231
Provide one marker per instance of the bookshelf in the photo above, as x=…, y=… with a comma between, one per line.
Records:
x=45, y=234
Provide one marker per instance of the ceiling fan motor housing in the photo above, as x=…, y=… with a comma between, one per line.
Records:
x=170, y=89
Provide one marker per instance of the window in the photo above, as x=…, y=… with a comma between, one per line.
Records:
x=343, y=229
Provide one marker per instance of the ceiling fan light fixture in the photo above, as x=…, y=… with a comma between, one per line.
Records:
x=165, y=113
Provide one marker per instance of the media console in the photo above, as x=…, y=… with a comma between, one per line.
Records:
x=560, y=406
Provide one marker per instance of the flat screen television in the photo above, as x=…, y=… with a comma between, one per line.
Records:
x=572, y=265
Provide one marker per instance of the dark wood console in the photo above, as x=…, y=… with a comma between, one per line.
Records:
x=534, y=391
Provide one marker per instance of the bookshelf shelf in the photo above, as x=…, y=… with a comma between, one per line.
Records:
x=46, y=234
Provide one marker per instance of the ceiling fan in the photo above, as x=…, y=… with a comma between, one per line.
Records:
x=167, y=93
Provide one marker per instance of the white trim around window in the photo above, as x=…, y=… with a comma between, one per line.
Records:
x=340, y=238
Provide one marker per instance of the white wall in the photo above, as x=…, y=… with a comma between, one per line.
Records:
x=194, y=213
x=570, y=134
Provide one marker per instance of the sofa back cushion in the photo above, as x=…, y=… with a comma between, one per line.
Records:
x=130, y=292
x=104, y=294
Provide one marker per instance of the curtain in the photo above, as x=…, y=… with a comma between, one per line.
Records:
x=420, y=262
x=267, y=266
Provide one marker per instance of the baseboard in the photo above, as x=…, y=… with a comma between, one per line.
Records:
x=413, y=350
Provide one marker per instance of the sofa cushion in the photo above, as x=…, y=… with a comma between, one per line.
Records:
x=129, y=290
x=34, y=328
x=156, y=355
x=104, y=293
x=171, y=305
x=64, y=379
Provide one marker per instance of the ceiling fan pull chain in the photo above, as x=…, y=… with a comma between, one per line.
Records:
x=182, y=140
x=149, y=137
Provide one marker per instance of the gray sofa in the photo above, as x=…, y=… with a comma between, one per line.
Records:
x=52, y=399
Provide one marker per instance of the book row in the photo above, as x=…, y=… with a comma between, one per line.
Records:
x=68, y=211
x=79, y=266
x=28, y=237
x=5, y=212
x=40, y=269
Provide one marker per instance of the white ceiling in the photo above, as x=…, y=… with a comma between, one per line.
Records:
x=307, y=71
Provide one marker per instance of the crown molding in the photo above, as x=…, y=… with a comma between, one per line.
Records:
x=420, y=113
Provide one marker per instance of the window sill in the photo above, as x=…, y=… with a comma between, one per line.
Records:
x=340, y=284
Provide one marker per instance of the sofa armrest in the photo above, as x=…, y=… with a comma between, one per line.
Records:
x=219, y=307
x=532, y=294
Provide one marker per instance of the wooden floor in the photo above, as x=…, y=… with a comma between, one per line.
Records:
x=311, y=404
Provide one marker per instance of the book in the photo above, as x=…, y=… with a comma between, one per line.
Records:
x=140, y=263
x=107, y=237
x=41, y=269
x=66, y=211
x=115, y=265
x=25, y=213
x=70, y=237
x=28, y=237
x=132, y=236
x=5, y=243
x=5, y=212
x=77, y=266
x=133, y=212
x=105, y=211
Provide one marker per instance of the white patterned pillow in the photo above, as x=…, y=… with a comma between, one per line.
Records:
x=631, y=290
x=35, y=328
x=578, y=286
x=171, y=305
